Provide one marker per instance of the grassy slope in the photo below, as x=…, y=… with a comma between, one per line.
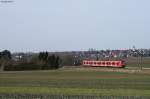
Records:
x=75, y=82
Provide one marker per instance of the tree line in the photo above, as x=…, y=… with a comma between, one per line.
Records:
x=51, y=61
x=41, y=61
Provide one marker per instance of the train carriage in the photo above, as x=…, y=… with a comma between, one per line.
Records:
x=119, y=63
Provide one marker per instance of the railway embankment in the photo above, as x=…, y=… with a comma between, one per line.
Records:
x=105, y=69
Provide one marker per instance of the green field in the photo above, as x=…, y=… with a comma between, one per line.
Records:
x=75, y=82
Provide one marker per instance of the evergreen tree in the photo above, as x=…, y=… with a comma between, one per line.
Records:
x=51, y=61
x=5, y=57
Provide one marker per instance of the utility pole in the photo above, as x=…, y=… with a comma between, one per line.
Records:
x=141, y=59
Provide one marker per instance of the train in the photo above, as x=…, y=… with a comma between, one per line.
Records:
x=98, y=63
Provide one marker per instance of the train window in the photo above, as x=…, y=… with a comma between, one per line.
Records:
x=107, y=63
x=123, y=62
x=117, y=63
x=94, y=62
x=99, y=63
x=87, y=62
x=103, y=63
x=91, y=62
x=113, y=63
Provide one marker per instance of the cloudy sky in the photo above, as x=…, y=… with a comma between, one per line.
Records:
x=65, y=25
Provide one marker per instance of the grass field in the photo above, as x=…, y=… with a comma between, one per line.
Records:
x=75, y=82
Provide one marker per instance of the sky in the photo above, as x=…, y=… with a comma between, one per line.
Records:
x=73, y=25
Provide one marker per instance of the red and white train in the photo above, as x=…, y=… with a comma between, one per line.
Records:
x=92, y=63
